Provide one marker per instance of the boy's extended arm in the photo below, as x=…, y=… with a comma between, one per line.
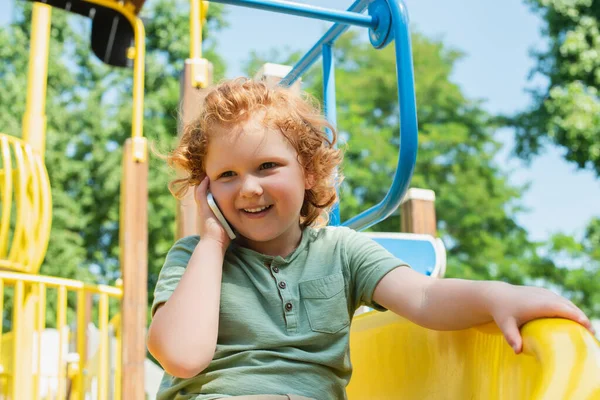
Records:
x=452, y=304
x=183, y=332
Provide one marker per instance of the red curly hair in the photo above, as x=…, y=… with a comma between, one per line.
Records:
x=297, y=117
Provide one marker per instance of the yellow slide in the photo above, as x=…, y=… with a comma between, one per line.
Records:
x=395, y=359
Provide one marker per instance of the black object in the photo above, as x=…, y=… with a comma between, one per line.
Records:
x=112, y=33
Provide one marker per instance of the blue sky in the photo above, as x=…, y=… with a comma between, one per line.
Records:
x=497, y=38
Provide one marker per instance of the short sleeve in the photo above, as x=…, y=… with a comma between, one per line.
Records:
x=368, y=263
x=175, y=263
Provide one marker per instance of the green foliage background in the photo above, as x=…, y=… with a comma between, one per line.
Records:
x=89, y=112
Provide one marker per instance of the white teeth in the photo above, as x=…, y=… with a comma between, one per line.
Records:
x=255, y=210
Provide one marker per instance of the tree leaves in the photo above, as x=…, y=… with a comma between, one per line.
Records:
x=566, y=111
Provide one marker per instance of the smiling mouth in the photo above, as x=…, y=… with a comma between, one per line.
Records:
x=258, y=210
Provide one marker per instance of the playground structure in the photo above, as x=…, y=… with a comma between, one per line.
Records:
x=392, y=358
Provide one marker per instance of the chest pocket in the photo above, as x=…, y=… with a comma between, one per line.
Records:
x=325, y=302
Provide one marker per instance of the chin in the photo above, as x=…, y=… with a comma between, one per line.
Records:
x=264, y=237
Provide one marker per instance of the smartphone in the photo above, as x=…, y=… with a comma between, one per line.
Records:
x=215, y=209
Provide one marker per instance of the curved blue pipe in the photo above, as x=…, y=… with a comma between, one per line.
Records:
x=408, y=123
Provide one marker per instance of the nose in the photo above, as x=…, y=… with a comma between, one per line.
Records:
x=250, y=187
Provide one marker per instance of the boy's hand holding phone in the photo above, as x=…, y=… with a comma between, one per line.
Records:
x=210, y=226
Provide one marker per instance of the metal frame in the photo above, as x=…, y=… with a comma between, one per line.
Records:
x=387, y=20
x=305, y=10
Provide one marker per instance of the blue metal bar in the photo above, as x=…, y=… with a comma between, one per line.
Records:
x=328, y=38
x=305, y=10
x=330, y=105
x=408, y=124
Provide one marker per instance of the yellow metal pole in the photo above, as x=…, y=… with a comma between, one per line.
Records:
x=199, y=66
x=103, y=349
x=118, y=388
x=7, y=193
x=139, y=145
x=41, y=325
x=13, y=277
x=117, y=322
x=18, y=381
x=44, y=212
x=2, y=367
x=34, y=120
x=16, y=252
x=81, y=341
x=195, y=28
x=61, y=323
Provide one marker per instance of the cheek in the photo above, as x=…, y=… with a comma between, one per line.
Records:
x=289, y=188
x=223, y=193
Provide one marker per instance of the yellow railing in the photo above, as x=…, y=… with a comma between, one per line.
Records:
x=77, y=373
x=26, y=206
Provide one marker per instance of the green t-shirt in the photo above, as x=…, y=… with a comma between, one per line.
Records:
x=284, y=323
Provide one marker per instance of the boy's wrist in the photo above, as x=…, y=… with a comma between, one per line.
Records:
x=213, y=243
x=493, y=295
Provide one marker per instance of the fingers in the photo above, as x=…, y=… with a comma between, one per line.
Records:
x=582, y=319
x=201, y=190
x=559, y=306
x=571, y=311
x=579, y=316
x=510, y=330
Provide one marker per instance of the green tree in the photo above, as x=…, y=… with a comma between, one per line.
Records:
x=566, y=111
x=573, y=267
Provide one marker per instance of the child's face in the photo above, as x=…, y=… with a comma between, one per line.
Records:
x=252, y=167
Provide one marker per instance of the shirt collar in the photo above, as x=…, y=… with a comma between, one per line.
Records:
x=306, y=233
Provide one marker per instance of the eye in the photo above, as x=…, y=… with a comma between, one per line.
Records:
x=268, y=165
x=226, y=174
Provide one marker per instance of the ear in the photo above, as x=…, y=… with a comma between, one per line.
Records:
x=309, y=181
